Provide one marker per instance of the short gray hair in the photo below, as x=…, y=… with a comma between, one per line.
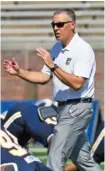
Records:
x=69, y=12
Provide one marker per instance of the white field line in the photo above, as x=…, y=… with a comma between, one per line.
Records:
x=40, y=150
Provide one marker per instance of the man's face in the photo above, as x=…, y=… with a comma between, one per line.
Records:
x=63, y=26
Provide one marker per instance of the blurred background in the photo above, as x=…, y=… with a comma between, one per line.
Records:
x=25, y=25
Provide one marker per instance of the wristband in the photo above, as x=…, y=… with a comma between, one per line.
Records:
x=54, y=68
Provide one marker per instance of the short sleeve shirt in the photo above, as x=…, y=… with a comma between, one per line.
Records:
x=76, y=58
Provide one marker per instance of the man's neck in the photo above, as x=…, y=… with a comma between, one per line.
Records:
x=67, y=41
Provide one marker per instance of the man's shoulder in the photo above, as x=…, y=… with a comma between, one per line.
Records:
x=83, y=50
x=83, y=43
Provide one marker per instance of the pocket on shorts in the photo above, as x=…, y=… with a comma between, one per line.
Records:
x=80, y=111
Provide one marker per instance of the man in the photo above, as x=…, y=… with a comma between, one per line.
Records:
x=14, y=155
x=73, y=73
x=23, y=121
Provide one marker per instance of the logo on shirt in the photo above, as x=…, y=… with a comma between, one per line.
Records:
x=68, y=61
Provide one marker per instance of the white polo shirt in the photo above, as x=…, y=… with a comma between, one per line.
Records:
x=76, y=58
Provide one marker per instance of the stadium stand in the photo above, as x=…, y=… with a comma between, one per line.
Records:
x=27, y=23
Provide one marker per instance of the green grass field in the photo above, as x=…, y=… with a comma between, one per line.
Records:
x=41, y=152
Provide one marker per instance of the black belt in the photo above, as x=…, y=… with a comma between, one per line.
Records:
x=80, y=100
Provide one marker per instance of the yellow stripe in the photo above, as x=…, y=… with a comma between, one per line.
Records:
x=11, y=119
x=98, y=140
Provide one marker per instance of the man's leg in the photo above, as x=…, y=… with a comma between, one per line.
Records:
x=82, y=156
x=67, y=131
x=70, y=166
x=98, y=154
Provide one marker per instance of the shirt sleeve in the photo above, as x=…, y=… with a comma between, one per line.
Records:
x=84, y=62
x=46, y=70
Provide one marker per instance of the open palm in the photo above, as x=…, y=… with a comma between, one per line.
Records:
x=11, y=66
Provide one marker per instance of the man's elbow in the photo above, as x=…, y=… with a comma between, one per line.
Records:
x=44, y=79
x=77, y=87
x=44, y=82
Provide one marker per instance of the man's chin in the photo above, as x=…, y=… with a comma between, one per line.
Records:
x=58, y=38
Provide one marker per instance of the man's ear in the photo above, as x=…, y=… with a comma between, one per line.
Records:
x=73, y=25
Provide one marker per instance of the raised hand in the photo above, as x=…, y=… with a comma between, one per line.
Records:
x=45, y=55
x=11, y=66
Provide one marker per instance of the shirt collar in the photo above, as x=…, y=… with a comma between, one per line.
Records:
x=71, y=43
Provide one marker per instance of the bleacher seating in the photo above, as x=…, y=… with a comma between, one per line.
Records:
x=26, y=24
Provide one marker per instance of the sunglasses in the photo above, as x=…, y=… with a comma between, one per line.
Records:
x=60, y=24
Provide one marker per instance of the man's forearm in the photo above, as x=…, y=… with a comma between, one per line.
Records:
x=33, y=76
x=69, y=79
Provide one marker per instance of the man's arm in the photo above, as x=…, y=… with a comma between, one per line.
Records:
x=71, y=80
x=33, y=76
x=13, y=68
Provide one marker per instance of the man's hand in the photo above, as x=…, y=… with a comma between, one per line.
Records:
x=45, y=55
x=11, y=66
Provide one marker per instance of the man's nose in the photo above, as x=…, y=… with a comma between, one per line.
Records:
x=55, y=27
